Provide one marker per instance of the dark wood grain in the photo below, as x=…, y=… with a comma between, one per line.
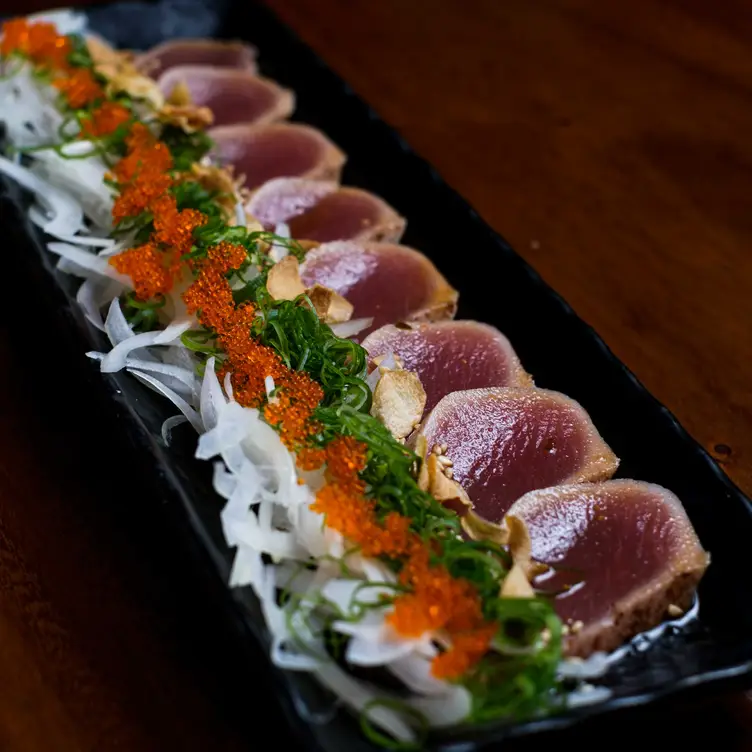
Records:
x=608, y=141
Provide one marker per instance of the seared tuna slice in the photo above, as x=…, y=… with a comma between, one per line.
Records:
x=196, y=52
x=450, y=356
x=233, y=96
x=504, y=442
x=264, y=152
x=623, y=553
x=323, y=212
x=386, y=282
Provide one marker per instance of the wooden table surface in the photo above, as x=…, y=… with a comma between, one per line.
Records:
x=610, y=142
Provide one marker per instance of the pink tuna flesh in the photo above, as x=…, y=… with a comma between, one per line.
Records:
x=196, y=52
x=233, y=96
x=504, y=442
x=387, y=282
x=315, y=210
x=451, y=356
x=622, y=552
x=281, y=199
x=265, y=152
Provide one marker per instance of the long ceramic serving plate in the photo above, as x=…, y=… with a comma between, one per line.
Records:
x=564, y=354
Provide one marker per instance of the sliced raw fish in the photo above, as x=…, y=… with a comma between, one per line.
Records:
x=233, y=96
x=196, y=52
x=451, y=356
x=322, y=211
x=387, y=282
x=265, y=152
x=504, y=442
x=623, y=552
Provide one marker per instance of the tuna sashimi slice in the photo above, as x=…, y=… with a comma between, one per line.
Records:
x=233, y=96
x=624, y=556
x=387, y=282
x=451, y=356
x=264, y=152
x=504, y=442
x=321, y=211
x=209, y=52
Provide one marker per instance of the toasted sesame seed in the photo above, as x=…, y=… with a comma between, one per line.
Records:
x=437, y=450
x=444, y=448
x=576, y=626
x=674, y=611
x=448, y=472
x=445, y=461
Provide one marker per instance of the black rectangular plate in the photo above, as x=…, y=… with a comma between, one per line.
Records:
x=557, y=347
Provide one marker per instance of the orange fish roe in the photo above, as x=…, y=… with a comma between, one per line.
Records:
x=80, y=88
x=144, y=179
x=15, y=37
x=139, y=195
x=210, y=295
x=175, y=228
x=355, y=518
x=39, y=41
x=143, y=152
x=299, y=395
x=310, y=458
x=466, y=650
x=47, y=47
x=145, y=266
x=105, y=120
x=345, y=459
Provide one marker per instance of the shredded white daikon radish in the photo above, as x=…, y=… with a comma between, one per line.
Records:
x=82, y=178
x=359, y=696
x=27, y=109
x=116, y=325
x=175, y=398
x=169, y=425
x=65, y=214
x=88, y=261
x=93, y=295
x=446, y=709
x=87, y=240
x=116, y=358
x=269, y=385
